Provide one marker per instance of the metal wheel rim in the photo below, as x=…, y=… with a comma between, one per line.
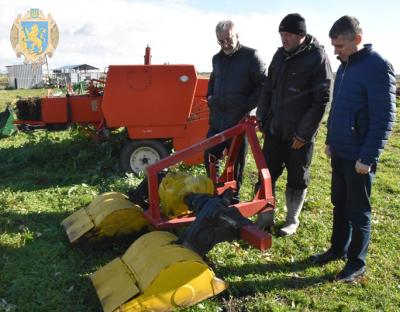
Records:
x=142, y=157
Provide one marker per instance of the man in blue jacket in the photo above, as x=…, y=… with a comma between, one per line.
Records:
x=360, y=121
x=236, y=80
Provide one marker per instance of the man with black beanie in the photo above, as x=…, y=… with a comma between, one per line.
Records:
x=289, y=111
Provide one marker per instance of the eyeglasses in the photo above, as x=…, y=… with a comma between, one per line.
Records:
x=227, y=40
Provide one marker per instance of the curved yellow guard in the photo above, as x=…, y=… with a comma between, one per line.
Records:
x=110, y=214
x=175, y=186
x=155, y=274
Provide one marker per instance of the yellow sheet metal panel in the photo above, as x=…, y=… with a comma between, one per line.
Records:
x=182, y=284
x=104, y=208
x=108, y=215
x=91, y=208
x=175, y=186
x=122, y=222
x=163, y=276
x=110, y=206
x=154, y=239
x=218, y=285
x=82, y=221
x=114, y=285
x=184, y=295
x=77, y=224
x=153, y=252
x=145, y=247
x=147, y=266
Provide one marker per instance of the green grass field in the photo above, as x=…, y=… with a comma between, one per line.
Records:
x=45, y=176
x=7, y=96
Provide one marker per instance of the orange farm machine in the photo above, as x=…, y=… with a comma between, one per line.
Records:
x=162, y=108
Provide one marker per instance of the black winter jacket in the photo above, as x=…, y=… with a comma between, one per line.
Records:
x=296, y=92
x=234, y=86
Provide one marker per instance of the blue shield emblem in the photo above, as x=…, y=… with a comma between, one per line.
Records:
x=35, y=36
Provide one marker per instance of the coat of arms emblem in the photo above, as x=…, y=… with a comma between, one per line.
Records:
x=35, y=36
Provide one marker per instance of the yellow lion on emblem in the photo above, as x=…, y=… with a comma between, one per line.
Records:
x=34, y=37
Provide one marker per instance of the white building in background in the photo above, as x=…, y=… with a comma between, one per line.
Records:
x=72, y=74
x=25, y=76
x=28, y=76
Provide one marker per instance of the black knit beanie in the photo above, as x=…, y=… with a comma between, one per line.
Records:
x=293, y=23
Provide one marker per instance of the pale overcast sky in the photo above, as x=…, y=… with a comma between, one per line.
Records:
x=105, y=32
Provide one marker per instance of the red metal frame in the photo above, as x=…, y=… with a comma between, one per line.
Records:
x=262, y=201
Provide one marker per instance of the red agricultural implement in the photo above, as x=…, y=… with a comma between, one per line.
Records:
x=160, y=271
x=162, y=107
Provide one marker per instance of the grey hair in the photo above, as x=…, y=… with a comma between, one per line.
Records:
x=346, y=26
x=224, y=26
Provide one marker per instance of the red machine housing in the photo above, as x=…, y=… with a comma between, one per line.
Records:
x=162, y=107
x=157, y=102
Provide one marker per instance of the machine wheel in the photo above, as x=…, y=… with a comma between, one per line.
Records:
x=138, y=154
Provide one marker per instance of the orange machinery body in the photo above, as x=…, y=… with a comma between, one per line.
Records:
x=82, y=109
x=166, y=102
x=157, y=102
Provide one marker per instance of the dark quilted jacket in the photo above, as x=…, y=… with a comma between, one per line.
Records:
x=296, y=92
x=234, y=87
x=363, y=108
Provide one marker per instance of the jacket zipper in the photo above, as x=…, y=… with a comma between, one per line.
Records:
x=339, y=90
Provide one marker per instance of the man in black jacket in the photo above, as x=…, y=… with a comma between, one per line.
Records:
x=289, y=112
x=233, y=90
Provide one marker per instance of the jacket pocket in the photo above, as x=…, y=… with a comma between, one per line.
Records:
x=359, y=124
x=235, y=103
x=297, y=82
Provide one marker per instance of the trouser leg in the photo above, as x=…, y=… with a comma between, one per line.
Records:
x=240, y=162
x=216, y=151
x=358, y=213
x=274, y=153
x=341, y=229
x=298, y=166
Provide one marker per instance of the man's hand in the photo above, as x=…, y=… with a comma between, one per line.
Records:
x=328, y=151
x=362, y=168
x=297, y=143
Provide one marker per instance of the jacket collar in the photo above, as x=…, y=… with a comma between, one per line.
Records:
x=367, y=49
x=309, y=43
x=237, y=48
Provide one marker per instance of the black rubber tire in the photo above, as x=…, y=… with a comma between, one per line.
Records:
x=147, y=152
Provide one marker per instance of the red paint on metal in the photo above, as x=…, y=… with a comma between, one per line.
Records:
x=262, y=201
x=255, y=237
x=147, y=56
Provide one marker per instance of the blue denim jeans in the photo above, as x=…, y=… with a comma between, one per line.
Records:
x=350, y=195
